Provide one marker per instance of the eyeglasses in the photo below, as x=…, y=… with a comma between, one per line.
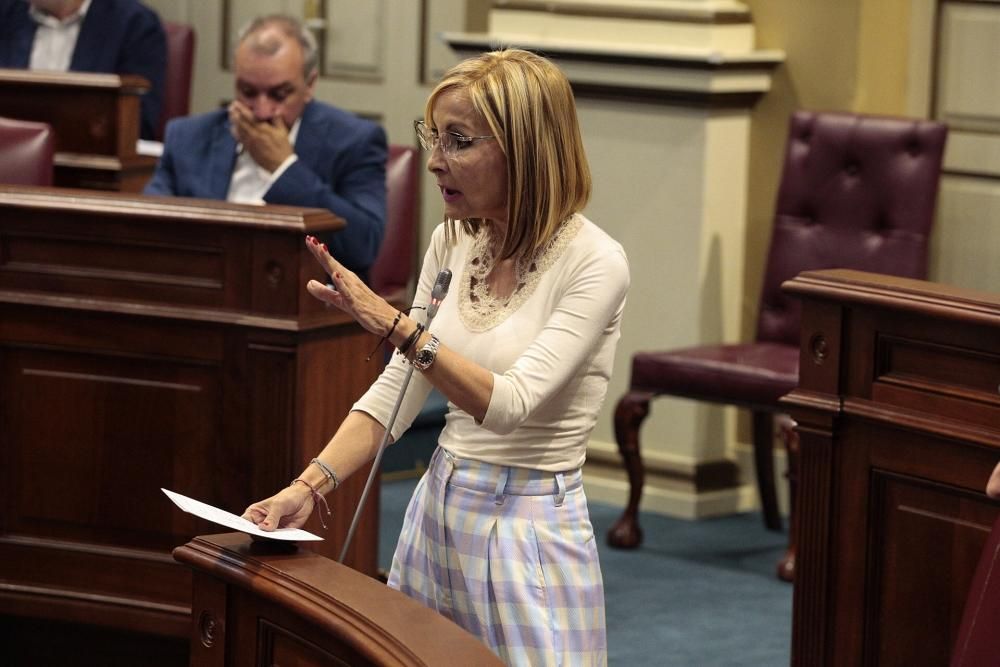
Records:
x=451, y=143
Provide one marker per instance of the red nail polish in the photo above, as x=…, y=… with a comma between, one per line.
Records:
x=325, y=249
x=337, y=275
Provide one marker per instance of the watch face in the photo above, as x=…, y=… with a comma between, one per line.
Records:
x=425, y=355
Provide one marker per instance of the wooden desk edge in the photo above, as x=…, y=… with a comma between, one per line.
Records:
x=355, y=608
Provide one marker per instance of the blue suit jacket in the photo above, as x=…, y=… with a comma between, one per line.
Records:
x=340, y=167
x=116, y=37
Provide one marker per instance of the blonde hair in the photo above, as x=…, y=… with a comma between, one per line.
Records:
x=528, y=103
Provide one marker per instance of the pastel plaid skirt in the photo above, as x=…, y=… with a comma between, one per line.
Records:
x=509, y=554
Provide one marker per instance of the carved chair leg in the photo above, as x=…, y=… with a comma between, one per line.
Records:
x=763, y=455
x=786, y=566
x=629, y=413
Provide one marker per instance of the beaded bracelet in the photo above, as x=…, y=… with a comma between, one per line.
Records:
x=328, y=471
x=317, y=499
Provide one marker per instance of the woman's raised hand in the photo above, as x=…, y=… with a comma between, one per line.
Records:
x=348, y=292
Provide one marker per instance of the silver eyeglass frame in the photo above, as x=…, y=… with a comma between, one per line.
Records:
x=429, y=139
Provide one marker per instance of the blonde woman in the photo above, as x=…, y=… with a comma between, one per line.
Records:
x=497, y=535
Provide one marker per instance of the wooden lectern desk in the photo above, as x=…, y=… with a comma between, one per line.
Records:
x=898, y=411
x=264, y=603
x=151, y=342
x=96, y=123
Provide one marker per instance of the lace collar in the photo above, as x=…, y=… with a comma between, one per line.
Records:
x=479, y=309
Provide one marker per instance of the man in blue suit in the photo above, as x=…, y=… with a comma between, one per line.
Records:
x=274, y=144
x=110, y=36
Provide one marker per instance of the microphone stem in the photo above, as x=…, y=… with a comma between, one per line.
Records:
x=381, y=448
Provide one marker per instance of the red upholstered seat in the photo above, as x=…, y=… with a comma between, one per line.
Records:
x=856, y=192
x=751, y=374
x=393, y=268
x=26, y=152
x=978, y=640
x=180, y=69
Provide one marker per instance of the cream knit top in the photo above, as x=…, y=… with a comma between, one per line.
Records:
x=550, y=347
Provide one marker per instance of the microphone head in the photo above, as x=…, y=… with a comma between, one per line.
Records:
x=439, y=292
x=441, y=285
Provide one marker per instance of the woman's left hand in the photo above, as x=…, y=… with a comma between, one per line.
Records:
x=349, y=293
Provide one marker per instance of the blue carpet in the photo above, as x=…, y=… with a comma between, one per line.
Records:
x=696, y=594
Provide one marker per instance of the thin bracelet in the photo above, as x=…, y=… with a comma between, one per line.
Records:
x=317, y=499
x=395, y=321
x=328, y=471
x=384, y=338
x=408, y=343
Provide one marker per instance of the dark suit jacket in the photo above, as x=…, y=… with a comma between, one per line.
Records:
x=340, y=167
x=116, y=37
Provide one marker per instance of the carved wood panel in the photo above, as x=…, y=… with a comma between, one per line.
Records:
x=144, y=345
x=922, y=535
x=898, y=439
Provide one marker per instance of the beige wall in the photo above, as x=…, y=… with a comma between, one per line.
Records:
x=883, y=57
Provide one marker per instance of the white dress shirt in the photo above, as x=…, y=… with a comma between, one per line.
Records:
x=55, y=39
x=250, y=181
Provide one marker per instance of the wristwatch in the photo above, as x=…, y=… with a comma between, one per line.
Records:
x=425, y=356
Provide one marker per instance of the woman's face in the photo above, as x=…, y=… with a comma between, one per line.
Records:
x=473, y=182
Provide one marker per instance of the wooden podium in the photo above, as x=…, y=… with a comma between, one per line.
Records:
x=269, y=604
x=96, y=123
x=898, y=411
x=150, y=343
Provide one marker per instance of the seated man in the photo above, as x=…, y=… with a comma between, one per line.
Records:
x=109, y=36
x=275, y=144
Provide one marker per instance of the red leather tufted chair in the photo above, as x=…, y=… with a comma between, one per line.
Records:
x=978, y=642
x=180, y=69
x=393, y=268
x=856, y=192
x=26, y=152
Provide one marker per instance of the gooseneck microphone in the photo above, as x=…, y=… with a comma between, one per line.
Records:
x=438, y=293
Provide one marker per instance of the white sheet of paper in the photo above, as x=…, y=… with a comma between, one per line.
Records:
x=224, y=518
